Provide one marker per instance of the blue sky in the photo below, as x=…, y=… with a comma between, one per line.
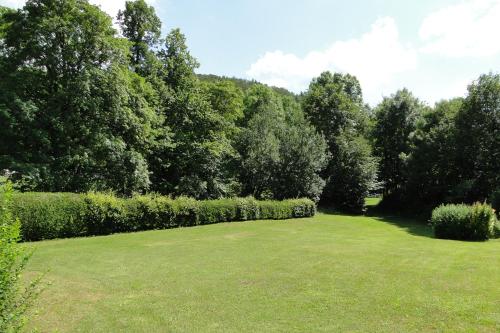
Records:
x=433, y=47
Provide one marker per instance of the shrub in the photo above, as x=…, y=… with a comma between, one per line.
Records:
x=62, y=215
x=50, y=215
x=247, y=209
x=105, y=214
x=496, y=229
x=13, y=258
x=463, y=222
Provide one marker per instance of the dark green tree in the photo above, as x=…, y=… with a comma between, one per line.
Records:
x=200, y=142
x=478, y=138
x=396, y=118
x=142, y=27
x=282, y=154
x=334, y=105
x=73, y=117
x=432, y=169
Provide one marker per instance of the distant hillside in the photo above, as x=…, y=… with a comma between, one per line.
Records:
x=243, y=84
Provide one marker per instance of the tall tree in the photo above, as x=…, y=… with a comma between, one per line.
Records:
x=334, y=105
x=478, y=135
x=142, y=27
x=432, y=169
x=282, y=154
x=396, y=118
x=200, y=142
x=72, y=114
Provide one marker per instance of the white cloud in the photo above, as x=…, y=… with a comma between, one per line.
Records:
x=375, y=58
x=467, y=29
x=109, y=6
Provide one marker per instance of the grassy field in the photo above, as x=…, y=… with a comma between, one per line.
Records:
x=332, y=273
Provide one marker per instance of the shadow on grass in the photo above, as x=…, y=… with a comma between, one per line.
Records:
x=412, y=225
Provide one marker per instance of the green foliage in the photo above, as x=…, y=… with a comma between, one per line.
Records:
x=142, y=27
x=334, y=105
x=14, y=299
x=5, y=12
x=201, y=129
x=478, y=136
x=72, y=114
x=354, y=173
x=50, y=215
x=83, y=108
x=63, y=215
x=494, y=201
x=282, y=154
x=431, y=167
x=455, y=154
x=242, y=84
x=396, y=118
x=226, y=99
x=463, y=222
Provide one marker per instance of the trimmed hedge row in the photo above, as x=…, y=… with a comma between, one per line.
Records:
x=65, y=215
x=463, y=222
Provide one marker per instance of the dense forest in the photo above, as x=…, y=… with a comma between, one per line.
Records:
x=85, y=106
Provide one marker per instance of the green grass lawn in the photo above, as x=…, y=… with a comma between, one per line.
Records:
x=330, y=273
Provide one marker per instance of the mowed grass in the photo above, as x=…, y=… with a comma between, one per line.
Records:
x=330, y=273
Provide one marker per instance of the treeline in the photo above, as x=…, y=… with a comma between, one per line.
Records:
x=446, y=154
x=85, y=107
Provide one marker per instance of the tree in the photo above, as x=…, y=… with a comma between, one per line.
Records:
x=142, y=27
x=334, y=105
x=71, y=112
x=226, y=98
x=432, y=170
x=178, y=64
x=354, y=172
x=200, y=143
x=303, y=156
x=396, y=118
x=282, y=154
x=478, y=136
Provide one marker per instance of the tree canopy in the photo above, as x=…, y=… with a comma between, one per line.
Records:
x=85, y=106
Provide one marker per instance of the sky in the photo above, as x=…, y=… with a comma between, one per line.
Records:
x=435, y=48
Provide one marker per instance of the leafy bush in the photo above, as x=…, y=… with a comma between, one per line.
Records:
x=50, y=215
x=463, y=222
x=13, y=258
x=496, y=229
x=60, y=215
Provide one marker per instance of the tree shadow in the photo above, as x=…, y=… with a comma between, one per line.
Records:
x=416, y=226
x=413, y=226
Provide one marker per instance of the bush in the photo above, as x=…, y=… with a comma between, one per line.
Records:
x=463, y=222
x=50, y=215
x=496, y=229
x=14, y=301
x=63, y=215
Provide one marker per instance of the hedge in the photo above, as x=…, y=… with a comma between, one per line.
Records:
x=65, y=215
x=463, y=222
